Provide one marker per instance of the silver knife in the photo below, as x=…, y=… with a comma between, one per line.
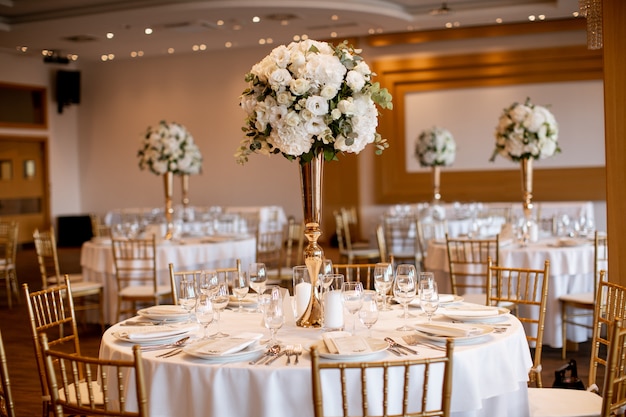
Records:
x=282, y=353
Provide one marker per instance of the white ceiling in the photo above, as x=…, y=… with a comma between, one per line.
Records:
x=80, y=26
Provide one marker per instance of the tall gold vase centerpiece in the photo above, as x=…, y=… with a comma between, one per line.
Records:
x=526, y=132
x=435, y=148
x=166, y=150
x=311, y=101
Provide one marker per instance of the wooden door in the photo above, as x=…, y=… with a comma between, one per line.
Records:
x=23, y=184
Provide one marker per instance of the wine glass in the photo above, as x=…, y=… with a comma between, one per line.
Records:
x=273, y=318
x=327, y=268
x=405, y=290
x=219, y=300
x=187, y=296
x=352, y=296
x=368, y=314
x=409, y=270
x=257, y=274
x=383, y=278
x=429, y=297
x=208, y=282
x=241, y=286
x=204, y=314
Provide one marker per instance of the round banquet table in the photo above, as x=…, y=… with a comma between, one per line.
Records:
x=96, y=260
x=571, y=271
x=490, y=374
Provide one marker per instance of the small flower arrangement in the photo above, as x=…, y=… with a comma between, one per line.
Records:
x=526, y=131
x=169, y=148
x=310, y=97
x=435, y=147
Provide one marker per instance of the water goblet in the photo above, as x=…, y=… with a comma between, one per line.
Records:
x=429, y=297
x=327, y=268
x=352, y=296
x=273, y=318
x=219, y=300
x=207, y=283
x=368, y=314
x=241, y=286
x=404, y=291
x=187, y=296
x=257, y=275
x=383, y=278
x=204, y=314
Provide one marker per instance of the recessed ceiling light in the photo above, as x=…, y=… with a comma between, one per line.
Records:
x=220, y=22
x=532, y=17
x=256, y=19
x=228, y=44
x=147, y=31
x=499, y=20
x=110, y=35
x=170, y=50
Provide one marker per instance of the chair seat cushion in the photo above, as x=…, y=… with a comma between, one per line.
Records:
x=560, y=402
x=581, y=298
x=85, y=286
x=145, y=291
x=84, y=393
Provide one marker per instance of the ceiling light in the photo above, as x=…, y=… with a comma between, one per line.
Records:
x=333, y=34
x=499, y=20
x=147, y=31
x=542, y=17
x=256, y=19
x=532, y=17
x=110, y=35
x=228, y=44
x=170, y=50
x=334, y=17
x=220, y=22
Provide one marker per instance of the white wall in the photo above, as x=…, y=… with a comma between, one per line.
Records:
x=93, y=145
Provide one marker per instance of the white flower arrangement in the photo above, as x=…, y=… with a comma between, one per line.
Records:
x=526, y=131
x=310, y=97
x=435, y=147
x=169, y=148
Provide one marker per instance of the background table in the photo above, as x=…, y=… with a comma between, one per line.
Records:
x=571, y=271
x=489, y=376
x=96, y=260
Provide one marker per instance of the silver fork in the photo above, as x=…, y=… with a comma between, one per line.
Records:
x=297, y=350
x=289, y=352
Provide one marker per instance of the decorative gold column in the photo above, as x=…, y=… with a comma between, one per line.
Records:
x=436, y=183
x=168, y=182
x=311, y=175
x=185, y=196
x=527, y=186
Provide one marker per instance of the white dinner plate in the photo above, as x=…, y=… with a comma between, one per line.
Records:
x=248, y=353
x=500, y=315
x=158, y=338
x=164, y=312
x=376, y=346
x=443, y=300
x=483, y=330
x=249, y=300
x=569, y=242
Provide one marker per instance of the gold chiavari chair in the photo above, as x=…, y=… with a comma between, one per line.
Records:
x=8, y=255
x=526, y=290
x=348, y=252
x=7, y=408
x=107, y=382
x=555, y=402
x=584, y=303
x=426, y=232
x=177, y=276
x=363, y=273
x=401, y=238
x=87, y=295
x=468, y=261
x=135, y=262
x=367, y=384
x=293, y=254
x=51, y=311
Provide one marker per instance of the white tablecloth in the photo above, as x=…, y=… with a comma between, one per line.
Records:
x=490, y=375
x=96, y=259
x=571, y=271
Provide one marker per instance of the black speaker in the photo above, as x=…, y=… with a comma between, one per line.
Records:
x=68, y=88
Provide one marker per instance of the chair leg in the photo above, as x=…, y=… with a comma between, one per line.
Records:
x=563, y=330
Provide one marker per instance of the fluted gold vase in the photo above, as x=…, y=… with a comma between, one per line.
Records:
x=184, y=180
x=311, y=176
x=527, y=187
x=436, y=183
x=168, y=182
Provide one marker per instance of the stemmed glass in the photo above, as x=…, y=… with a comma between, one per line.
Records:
x=204, y=314
x=257, y=274
x=429, y=297
x=187, y=296
x=208, y=282
x=369, y=311
x=327, y=269
x=241, y=286
x=273, y=318
x=219, y=300
x=383, y=278
x=405, y=290
x=352, y=296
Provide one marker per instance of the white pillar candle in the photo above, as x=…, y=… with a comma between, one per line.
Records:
x=303, y=294
x=333, y=310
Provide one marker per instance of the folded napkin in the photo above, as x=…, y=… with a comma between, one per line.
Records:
x=154, y=332
x=165, y=310
x=229, y=345
x=469, y=310
x=448, y=329
x=344, y=343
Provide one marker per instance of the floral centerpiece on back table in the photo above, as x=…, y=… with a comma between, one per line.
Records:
x=435, y=148
x=310, y=101
x=166, y=150
x=526, y=132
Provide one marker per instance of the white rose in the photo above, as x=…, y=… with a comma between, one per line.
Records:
x=281, y=56
x=317, y=105
x=279, y=79
x=355, y=81
x=328, y=92
x=519, y=113
x=363, y=69
x=535, y=119
x=299, y=86
x=347, y=106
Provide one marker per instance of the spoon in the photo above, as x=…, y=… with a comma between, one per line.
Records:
x=178, y=343
x=272, y=351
